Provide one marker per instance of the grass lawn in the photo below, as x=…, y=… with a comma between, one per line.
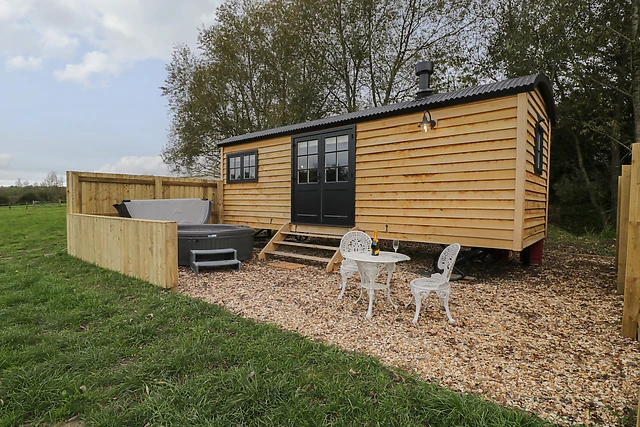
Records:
x=81, y=343
x=589, y=243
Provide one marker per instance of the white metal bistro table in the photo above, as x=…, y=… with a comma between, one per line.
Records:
x=370, y=266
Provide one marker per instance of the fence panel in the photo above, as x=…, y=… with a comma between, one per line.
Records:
x=95, y=193
x=623, y=224
x=632, y=270
x=144, y=249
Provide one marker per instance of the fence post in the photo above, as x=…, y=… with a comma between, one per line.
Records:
x=219, y=201
x=632, y=271
x=623, y=235
x=618, y=226
x=158, y=188
x=74, y=192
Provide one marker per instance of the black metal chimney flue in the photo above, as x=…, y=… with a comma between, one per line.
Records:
x=424, y=70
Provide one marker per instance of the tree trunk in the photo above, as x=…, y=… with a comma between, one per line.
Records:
x=604, y=220
x=616, y=170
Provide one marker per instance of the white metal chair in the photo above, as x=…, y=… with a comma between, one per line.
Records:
x=353, y=241
x=438, y=282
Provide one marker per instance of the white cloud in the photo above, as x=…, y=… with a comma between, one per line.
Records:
x=53, y=39
x=139, y=165
x=115, y=33
x=93, y=63
x=5, y=159
x=22, y=63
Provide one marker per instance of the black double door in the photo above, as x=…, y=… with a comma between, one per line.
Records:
x=323, y=178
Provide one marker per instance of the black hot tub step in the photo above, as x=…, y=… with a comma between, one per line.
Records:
x=200, y=258
x=212, y=251
x=218, y=263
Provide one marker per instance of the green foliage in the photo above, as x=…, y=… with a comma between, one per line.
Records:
x=21, y=195
x=276, y=62
x=78, y=340
x=585, y=50
x=585, y=241
x=272, y=63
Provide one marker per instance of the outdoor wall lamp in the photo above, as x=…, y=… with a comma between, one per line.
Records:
x=427, y=123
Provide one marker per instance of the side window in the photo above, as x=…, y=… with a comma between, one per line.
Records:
x=242, y=167
x=537, y=149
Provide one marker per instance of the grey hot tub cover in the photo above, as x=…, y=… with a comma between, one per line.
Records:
x=182, y=211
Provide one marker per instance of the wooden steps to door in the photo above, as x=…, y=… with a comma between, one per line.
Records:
x=300, y=256
x=279, y=242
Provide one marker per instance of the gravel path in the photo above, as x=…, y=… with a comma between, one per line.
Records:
x=545, y=339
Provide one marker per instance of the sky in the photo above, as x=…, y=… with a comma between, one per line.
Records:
x=79, y=83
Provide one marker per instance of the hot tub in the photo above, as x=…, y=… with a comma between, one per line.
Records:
x=214, y=236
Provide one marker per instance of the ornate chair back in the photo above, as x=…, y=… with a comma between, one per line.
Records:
x=355, y=241
x=447, y=259
x=352, y=241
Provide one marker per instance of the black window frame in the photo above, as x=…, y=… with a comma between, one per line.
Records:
x=241, y=156
x=538, y=148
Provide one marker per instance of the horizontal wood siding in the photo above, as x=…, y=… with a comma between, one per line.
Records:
x=96, y=193
x=536, y=186
x=140, y=248
x=455, y=183
x=266, y=203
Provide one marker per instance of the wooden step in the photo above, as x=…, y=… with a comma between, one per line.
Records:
x=313, y=235
x=308, y=245
x=319, y=229
x=301, y=256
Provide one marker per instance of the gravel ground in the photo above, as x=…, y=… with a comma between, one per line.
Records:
x=545, y=339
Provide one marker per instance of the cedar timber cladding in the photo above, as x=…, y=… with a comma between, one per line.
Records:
x=536, y=186
x=266, y=203
x=469, y=180
x=454, y=183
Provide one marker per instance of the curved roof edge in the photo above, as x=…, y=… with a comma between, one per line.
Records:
x=462, y=96
x=542, y=81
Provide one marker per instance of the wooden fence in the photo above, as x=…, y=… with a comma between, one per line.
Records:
x=628, y=249
x=95, y=193
x=144, y=249
x=628, y=254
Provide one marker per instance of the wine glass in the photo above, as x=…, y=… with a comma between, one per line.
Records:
x=396, y=243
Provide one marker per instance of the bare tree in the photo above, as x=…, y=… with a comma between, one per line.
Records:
x=52, y=180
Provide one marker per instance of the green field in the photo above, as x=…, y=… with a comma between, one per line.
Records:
x=81, y=343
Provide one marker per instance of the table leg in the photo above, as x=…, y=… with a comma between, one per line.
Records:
x=360, y=296
x=369, y=311
x=369, y=272
x=391, y=267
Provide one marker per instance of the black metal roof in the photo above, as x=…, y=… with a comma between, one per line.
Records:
x=462, y=96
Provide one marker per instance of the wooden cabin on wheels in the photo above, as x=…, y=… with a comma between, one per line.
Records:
x=469, y=166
